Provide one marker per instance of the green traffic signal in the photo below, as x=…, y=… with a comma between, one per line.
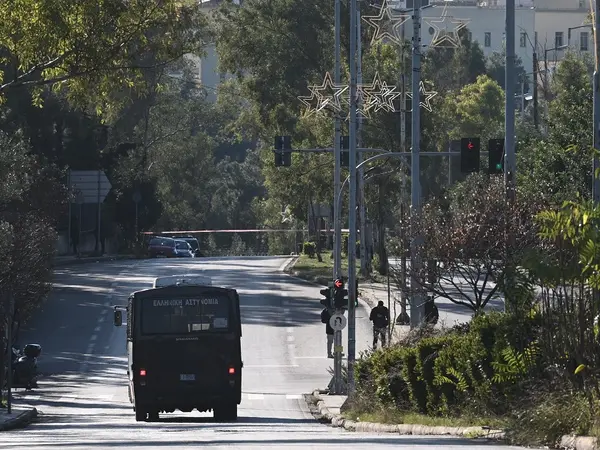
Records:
x=499, y=166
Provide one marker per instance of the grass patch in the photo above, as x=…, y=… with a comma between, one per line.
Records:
x=312, y=268
x=396, y=417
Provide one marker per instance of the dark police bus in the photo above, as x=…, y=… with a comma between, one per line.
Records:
x=184, y=350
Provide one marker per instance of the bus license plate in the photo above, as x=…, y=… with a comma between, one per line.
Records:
x=187, y=377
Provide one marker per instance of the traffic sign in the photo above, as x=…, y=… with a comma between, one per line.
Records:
x=337, y=322
x=93, y=185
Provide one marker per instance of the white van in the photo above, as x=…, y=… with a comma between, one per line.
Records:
x=174, y=280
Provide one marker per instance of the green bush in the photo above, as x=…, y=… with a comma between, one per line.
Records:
x=309, y=248
x=476, y=368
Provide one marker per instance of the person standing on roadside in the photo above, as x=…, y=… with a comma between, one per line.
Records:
x=380, y=316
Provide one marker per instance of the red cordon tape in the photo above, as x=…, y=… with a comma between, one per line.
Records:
x=231, y=231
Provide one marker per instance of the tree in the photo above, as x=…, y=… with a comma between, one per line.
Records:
x=571, y=107
x=93, y=52
x=276, y=47
x=496, y=70
x=30, y=202
x=465, y=236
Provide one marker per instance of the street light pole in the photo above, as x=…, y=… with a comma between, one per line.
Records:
x=596, y=117
x=361, y=184
x=416, y=303
x=352, y=204
x=337, y=214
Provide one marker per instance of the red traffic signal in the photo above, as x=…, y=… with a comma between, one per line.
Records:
x=470, y=145
x=338, y=283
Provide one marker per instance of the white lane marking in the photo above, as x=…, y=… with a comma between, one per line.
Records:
x=269, y=366
x=104, y=311
x=98, y=328
x=286, y=310
x=256, y=397
x=291, y=338
x=289, y=329
x=292, y=354
x=101, y=319
x=67, y=398
x=93, y=337
x=293, y=397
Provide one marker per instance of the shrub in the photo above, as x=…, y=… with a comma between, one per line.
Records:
x=309, y=248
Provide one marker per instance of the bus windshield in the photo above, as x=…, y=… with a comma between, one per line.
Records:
x=207, y=312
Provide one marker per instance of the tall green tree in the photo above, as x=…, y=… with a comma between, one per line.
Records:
x=93, y=52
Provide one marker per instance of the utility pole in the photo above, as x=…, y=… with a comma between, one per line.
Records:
x=403, y=314
x=337, y=214
x=596, y=119
x=361, y=171
x=416, y=300
x=352, y=205
x=509, y=137
x=9, y=335
x=535, y=87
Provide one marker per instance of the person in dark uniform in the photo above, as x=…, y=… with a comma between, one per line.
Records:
x=325, y=316
x=380, y=316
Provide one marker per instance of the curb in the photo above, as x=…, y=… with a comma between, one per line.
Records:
x=336, y=420
x=290, y=264
x=404, y=429
x=91, y=259
x=578, y=443
x=19, y=421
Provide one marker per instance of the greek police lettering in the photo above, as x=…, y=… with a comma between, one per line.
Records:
x=210, y=301
x=167, y=303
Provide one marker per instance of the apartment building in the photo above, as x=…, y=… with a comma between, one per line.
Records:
x=562, y=23
x=485, y=22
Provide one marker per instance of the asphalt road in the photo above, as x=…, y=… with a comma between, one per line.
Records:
x=82, y=396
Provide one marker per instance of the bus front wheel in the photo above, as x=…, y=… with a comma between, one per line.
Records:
x=140, y=416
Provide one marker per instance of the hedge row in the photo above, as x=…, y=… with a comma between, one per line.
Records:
x=476, y=367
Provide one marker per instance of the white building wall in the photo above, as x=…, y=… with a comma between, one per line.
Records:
x=486, y=25
x=552, y=29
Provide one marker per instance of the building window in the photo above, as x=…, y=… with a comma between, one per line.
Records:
x=523, y=40
x=581, y=3
x=584, y=39
x=558, y=39
x=487, y=42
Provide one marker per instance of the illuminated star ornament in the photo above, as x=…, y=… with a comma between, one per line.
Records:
x=382, y=22
x=446, y=29
x=380, y=96
x=327, y=95
x=423, y=93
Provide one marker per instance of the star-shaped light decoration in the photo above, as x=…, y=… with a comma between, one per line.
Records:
x=327, y=95
x=446, y=29
x=362, y=100
x=310, y=102
x=382, y=22
x=379, y=95
x=427, y=94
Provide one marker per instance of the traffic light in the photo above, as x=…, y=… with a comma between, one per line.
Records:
x=283, y=151
x=470, y=155
x=345, y=153
x=340, y=296
x=326, y=302
x=496, y=156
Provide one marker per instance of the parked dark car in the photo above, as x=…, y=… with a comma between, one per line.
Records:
x=193, y=243
x=183, y=249
x=162, y=247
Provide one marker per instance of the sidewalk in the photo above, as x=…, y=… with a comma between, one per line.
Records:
x=69, y=260
x=20, y=417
